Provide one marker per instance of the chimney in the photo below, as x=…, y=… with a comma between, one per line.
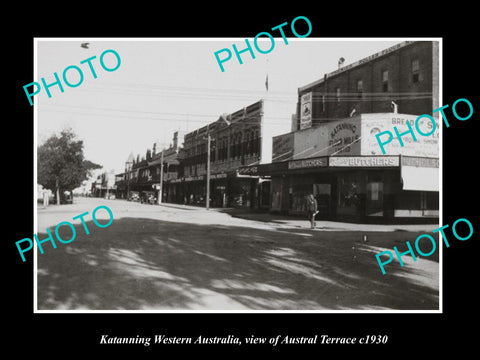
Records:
x=175, y=140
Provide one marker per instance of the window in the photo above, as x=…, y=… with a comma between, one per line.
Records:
x=348, y=194
x=213, y=150
x=337, y=92
x=323, y=103
x=238, y=144
x=385, y=80
x=224, y=149
x=374, y=191
x=415, y=70
x=360, y=88
x=232, y=147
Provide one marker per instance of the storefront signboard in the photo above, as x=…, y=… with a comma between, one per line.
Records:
x=307, y=163
x=306, y=111
x=420, y=162
x=363, y=161
x=218, y=176
x=247, y=171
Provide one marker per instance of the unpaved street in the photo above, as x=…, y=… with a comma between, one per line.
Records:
x=174, y=257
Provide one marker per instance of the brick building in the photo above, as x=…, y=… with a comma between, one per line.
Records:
x=332, y=151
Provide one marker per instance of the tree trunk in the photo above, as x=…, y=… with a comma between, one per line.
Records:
x=58, y=193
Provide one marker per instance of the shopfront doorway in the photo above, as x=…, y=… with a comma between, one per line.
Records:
x=323, y=194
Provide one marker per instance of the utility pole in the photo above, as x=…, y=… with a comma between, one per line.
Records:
x=160, y=193
x=106, y=180
x=209, y=139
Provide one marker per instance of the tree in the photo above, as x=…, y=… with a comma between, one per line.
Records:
x=61, y=163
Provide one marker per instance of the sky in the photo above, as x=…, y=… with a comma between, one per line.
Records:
x=167, y=84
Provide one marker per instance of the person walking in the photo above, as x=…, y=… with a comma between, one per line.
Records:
x=312, y=209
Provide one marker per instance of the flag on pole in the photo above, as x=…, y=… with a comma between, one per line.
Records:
x=266, y=82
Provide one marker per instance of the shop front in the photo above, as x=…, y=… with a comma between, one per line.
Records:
x=225, y=190
x=194, y=189
x=246, y=188
x=357, y=188
x=219, y=190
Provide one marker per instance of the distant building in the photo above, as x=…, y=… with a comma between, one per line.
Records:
x=239, y=142
x=104, y=185
x=142, y=175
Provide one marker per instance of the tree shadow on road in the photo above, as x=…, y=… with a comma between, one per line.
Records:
x=146, y=264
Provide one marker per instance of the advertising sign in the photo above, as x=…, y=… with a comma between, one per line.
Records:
x=282, y=147
x=364, y=161
x=373, y=124
x=344, y=137
x=307, y=163
x=306, y=111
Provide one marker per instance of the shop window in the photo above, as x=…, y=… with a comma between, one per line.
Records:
x=300, y=191
x=374, y=191
x=322, y=193
x=276, y=191
x=410, y=200
x=374, y=205
x=348, y=193
x=429, y=200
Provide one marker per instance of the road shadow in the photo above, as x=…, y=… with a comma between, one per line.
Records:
x=147, y=264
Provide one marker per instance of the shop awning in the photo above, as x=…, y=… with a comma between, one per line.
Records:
x=420, y=178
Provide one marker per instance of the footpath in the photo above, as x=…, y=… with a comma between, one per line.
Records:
x=295, y=222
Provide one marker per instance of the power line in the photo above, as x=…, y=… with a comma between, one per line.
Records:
x=158, y=118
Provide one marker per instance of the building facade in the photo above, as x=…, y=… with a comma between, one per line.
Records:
x=340, y=163
x=235, y=141
x=332, y=151
x=147, y=178
x=403, y=78
x=238, y=142
x=105, y=185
